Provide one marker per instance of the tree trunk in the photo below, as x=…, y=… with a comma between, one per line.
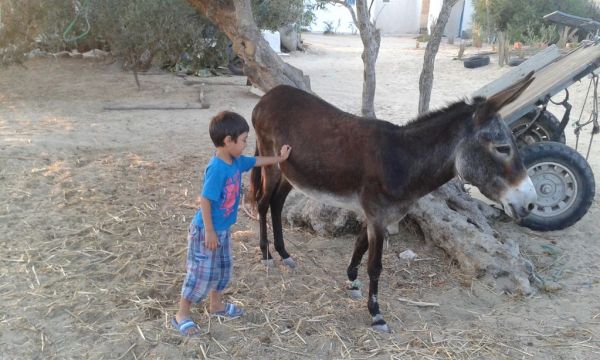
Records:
x=503, y=49
x=262, y=65
x=371, y=39
x=433, y=45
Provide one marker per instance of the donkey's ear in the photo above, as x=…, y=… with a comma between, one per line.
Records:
x=497, y=101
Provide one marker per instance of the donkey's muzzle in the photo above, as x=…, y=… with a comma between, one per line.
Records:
x=519, y=200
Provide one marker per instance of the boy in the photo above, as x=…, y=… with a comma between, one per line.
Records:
x=209, y=261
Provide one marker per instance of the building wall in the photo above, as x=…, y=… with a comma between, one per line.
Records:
x=461, y=17
x=338, y=16
x=395, y=17
x=391, y=17
x=425, y=16
x=454, y=22
x=468, y=15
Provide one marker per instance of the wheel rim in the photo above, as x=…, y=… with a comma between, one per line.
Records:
x=556, y=188
x=537, y=132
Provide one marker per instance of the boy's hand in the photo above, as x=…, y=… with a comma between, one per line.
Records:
x=210, y=240
x=285, y=152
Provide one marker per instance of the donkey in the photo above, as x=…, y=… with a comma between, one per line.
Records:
x=379, y=169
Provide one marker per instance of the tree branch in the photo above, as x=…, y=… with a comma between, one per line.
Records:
x=350, y=9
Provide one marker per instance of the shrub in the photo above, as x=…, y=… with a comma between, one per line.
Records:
x=166, y=32
x=522, y=20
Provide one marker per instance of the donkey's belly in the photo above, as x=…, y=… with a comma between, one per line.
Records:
x=346, y=201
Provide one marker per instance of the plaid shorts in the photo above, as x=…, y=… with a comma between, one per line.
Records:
x=206, y=269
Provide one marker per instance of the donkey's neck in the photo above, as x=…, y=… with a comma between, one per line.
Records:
x=432, y=143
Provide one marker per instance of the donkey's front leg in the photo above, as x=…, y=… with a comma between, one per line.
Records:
x=376, y=234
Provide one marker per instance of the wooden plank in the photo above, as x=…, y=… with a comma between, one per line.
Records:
x=565, y=19
x=554, y=78
x=164, y=106
x=535, y=63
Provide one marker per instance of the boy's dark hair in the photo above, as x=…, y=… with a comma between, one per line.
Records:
x=227, y=123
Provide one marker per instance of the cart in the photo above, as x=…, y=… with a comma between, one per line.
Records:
x=562, y=176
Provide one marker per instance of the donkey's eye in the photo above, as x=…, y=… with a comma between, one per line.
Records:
x=503, y=149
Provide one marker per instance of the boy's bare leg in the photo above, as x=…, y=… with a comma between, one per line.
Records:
x=184, y=313
x=215, y=301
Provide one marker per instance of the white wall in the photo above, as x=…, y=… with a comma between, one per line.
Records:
x=394, y=17
x=468, y=15
x=397, y=16
x=338, y=15
x=462, y=7
x=454, y=21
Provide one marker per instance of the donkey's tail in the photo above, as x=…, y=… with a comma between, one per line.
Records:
x=255, y=191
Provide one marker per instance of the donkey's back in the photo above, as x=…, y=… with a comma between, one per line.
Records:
x=332, y=150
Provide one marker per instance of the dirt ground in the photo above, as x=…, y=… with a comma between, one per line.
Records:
x=95, y=204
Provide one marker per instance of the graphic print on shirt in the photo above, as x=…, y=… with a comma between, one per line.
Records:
x=232, y=189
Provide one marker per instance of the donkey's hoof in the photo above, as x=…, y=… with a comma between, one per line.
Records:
x=355, y=294
x=289, y=262
x=379, y=324
x=382, y=328
x=268, y=263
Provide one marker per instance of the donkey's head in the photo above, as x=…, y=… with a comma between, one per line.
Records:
x=489, y=158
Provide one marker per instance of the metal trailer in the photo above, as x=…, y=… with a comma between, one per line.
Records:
x=562, y=176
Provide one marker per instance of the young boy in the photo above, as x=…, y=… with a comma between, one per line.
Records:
x=209, y=260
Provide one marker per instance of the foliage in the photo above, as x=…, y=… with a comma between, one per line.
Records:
x=26, y=24
x=272, y=14
x=523, y=19
x=423, y=37
x=170, y=30
x=138, y=30
x=167, y=32
x=331, y=28
x=309, y=16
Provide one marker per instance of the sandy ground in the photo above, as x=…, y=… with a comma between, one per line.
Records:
x=95, y=204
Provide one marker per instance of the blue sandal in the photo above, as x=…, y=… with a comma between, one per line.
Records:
x=184, y=326
x=230, y=311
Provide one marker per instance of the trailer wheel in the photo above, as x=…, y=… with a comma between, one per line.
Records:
x=564, y=183
x=542, y=130
x=476, y=61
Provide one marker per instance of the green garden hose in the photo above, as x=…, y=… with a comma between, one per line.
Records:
x=84, y=11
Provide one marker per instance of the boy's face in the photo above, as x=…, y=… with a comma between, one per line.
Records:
x=236, y=148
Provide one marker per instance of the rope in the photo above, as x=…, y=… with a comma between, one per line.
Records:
x=79, y=9
x=593, y=119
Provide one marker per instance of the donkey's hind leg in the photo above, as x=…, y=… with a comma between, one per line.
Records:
x=360, y=247
x=277, y=201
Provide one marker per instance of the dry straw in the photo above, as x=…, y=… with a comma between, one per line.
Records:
x=97, y=274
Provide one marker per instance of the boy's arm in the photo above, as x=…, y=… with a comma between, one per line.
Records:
x=210, y=236
x=270, y=160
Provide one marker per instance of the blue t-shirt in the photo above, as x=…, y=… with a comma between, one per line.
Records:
x=222, y=186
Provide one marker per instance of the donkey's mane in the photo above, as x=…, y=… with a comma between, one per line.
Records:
x=454, y=110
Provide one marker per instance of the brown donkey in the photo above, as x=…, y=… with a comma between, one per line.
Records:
x=379, y=169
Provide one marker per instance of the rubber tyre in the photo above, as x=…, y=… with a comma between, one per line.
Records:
x=516, y=61
x=542, y=130
x=476, y=61
x=534, y=157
